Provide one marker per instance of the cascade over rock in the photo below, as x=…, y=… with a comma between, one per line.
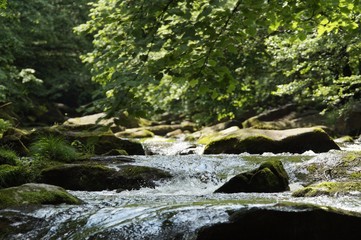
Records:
x=86, y=177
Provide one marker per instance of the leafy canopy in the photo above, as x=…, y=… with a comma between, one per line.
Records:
x=208, y=58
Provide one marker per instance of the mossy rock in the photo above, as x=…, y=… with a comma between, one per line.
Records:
x=89, y=122
x=135, y=177
x=329, y=189
x=106, y=142
x=285, y=223
x=257, y=141
x=123, y=120
x=345, y=139
x=83, y=177
x=88, y=177
x=135, y=133
x=35, y=194
x=13, y=176
x=340, y=166
x=162, y=130
x=16, y=140
x=270, y=176
x=234, y=145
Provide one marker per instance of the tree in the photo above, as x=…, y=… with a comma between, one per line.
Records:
x=38, y=42
x=3, y=3
x=200, y=57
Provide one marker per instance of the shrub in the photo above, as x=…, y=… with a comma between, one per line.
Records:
x=53, y=148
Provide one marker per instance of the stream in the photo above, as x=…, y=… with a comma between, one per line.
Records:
x=175, y=209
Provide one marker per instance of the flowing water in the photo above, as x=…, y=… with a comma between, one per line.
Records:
x=175, y=209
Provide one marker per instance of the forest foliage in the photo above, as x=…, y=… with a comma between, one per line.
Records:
x=204, y=59
x=39, y=56
x=213, y=59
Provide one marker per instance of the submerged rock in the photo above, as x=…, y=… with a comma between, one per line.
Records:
x=96, y=177
x=256, y=141
x=269, y=177
x=294, y=223
x=14, y=223
x=329, y=189
x=35, y=194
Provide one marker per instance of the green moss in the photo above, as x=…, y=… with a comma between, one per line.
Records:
x=351, y=156
x=4, y=126
x=234, y=145
x=135, y=133
x=210, y=138
x=328, y=188
x=312, y=168
x=265, y=177
x=13, y=175
x=355, y=175
x=318, y=130
x=35, y=194
x=276, y=167
x=345, y=139
x=8, y=156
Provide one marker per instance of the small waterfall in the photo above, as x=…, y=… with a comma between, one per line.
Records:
x=174, y=209
x=169, y=147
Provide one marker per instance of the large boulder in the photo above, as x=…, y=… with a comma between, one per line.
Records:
x=35, y=194
x=329, y=189
x=256, y=141
x=269, y=177
x=118, y=123
x=88, y=177
x=293, y=223
x=104, y=143
x=88, y=122
x=134, y=133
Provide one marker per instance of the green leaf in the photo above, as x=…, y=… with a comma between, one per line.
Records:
x=193, y=83
x=212, y=63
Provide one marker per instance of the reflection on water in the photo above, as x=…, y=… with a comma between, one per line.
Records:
x=175, y=209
